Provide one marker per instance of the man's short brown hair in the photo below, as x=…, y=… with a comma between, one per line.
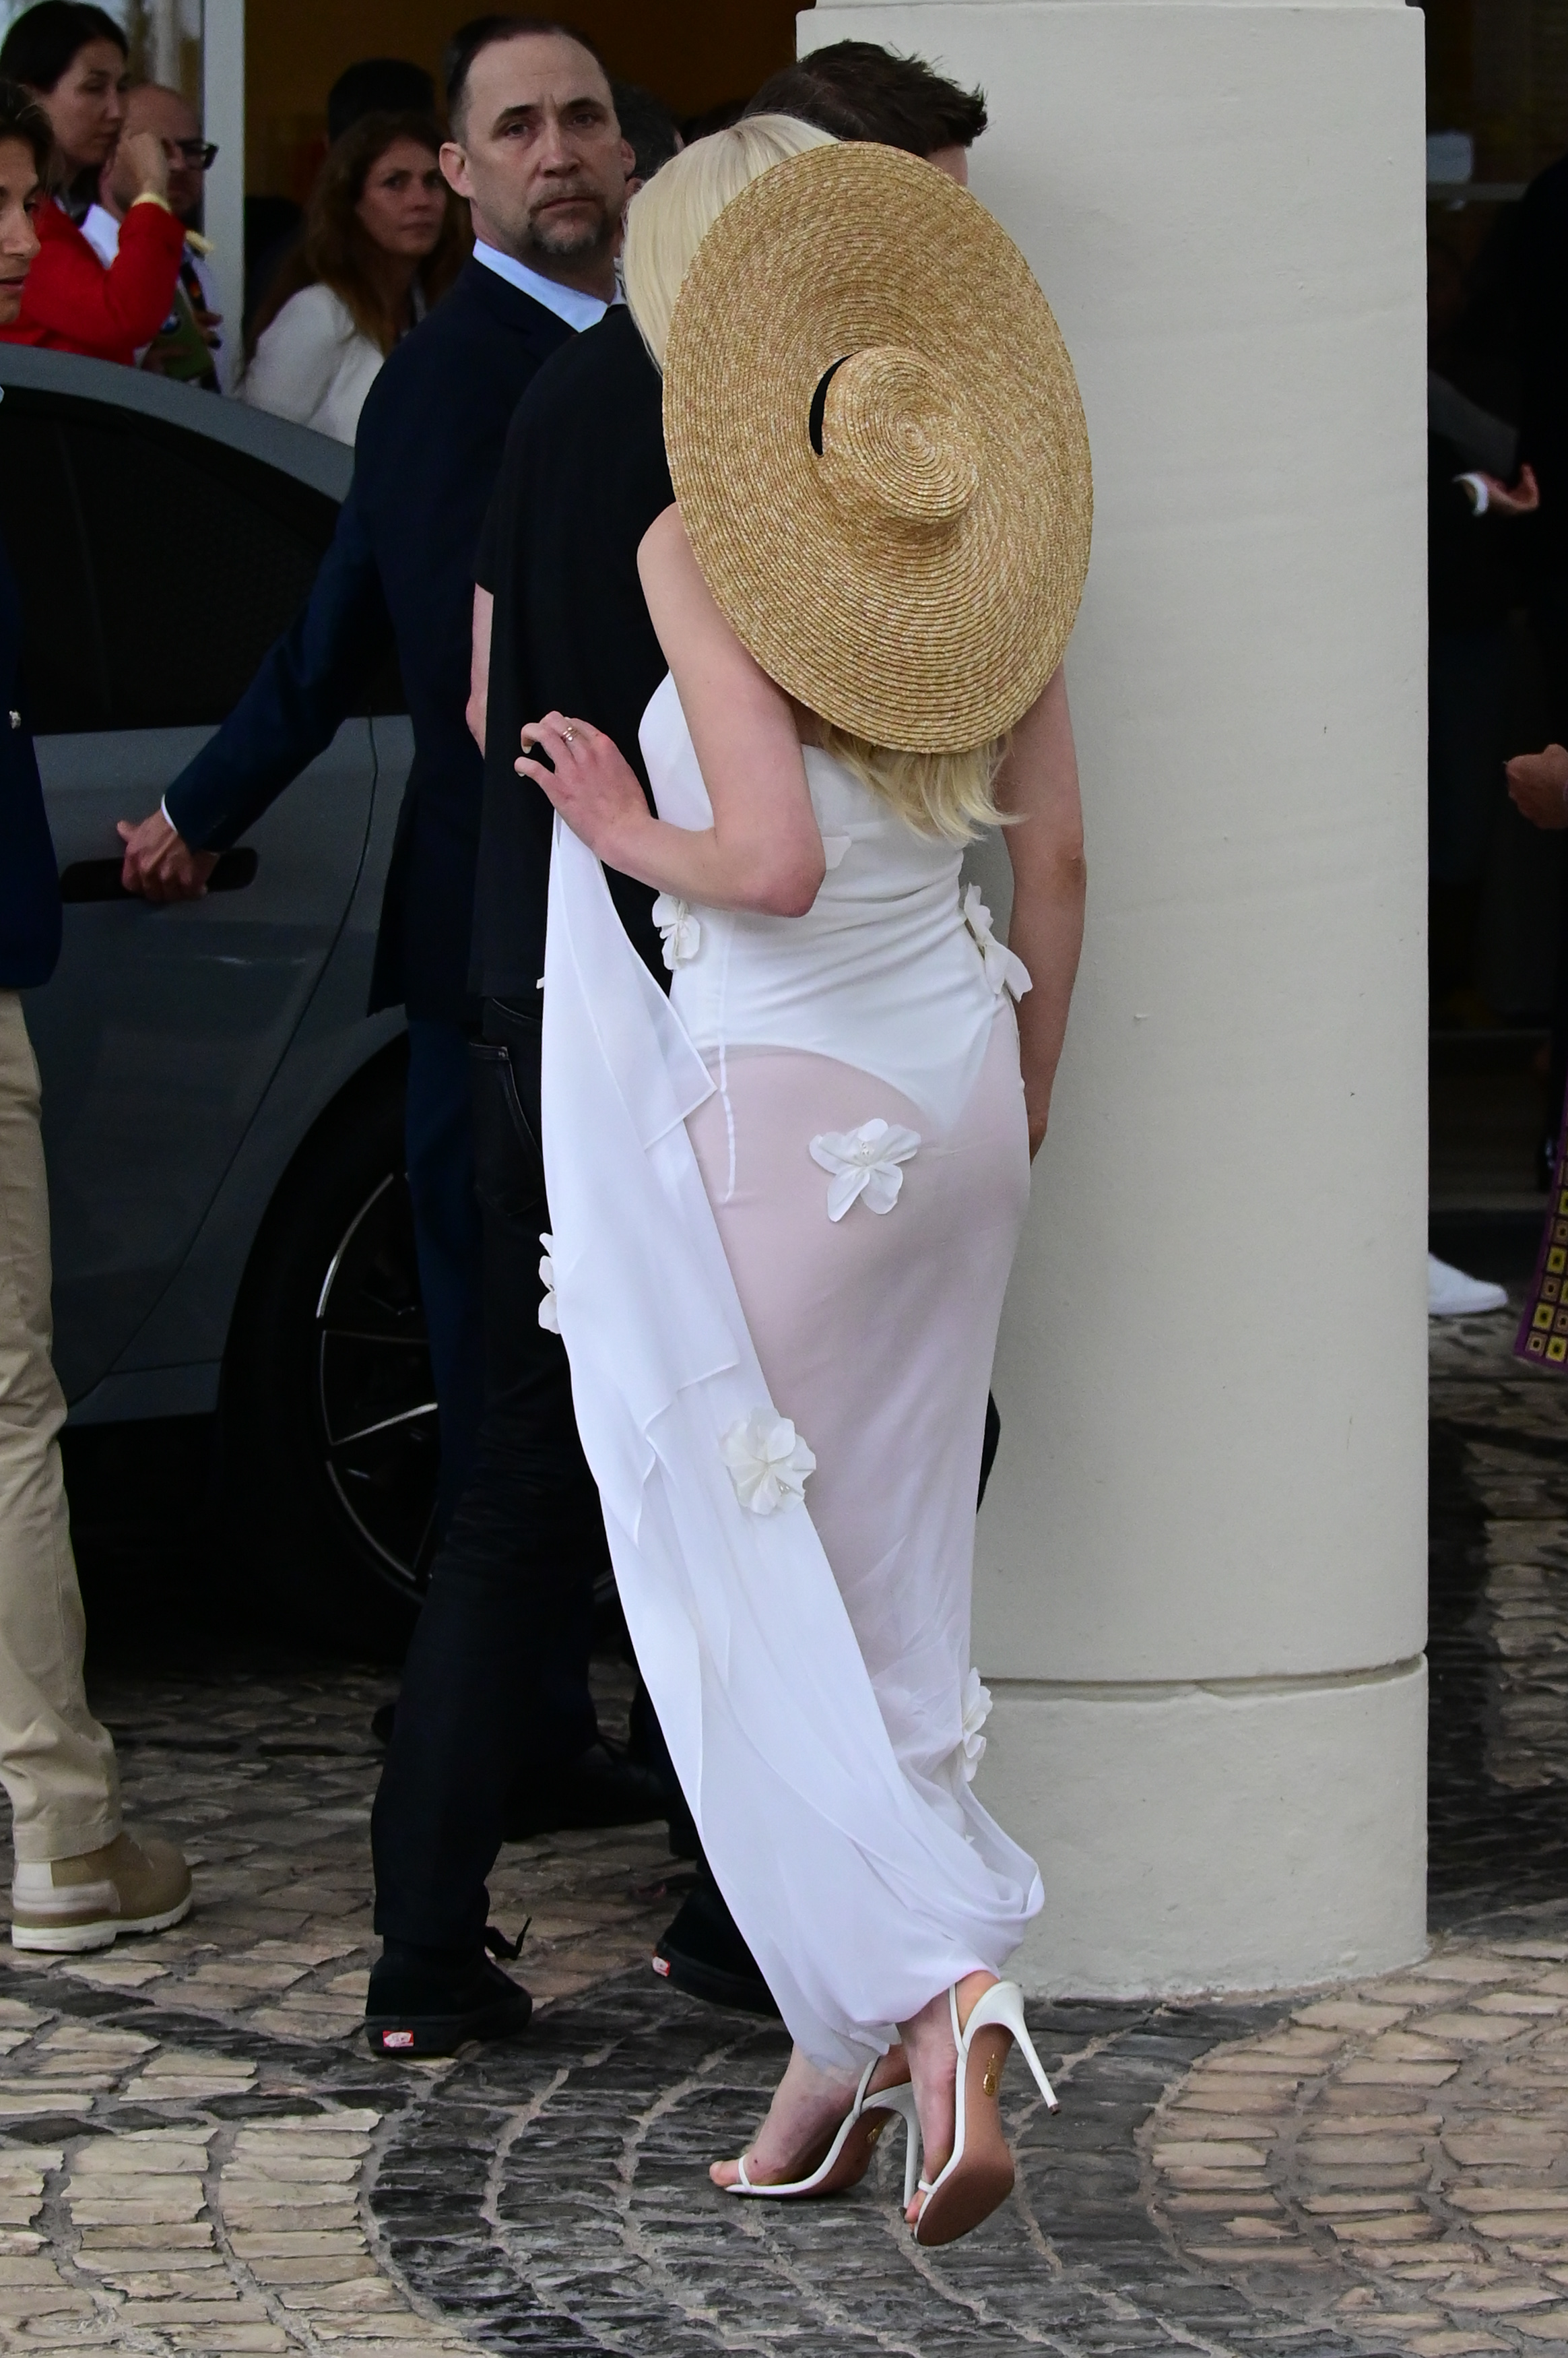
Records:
x=858, y=90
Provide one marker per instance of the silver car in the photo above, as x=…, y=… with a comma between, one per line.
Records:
x=223, y=1120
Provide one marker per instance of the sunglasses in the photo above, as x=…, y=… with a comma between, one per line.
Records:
x=198, y=153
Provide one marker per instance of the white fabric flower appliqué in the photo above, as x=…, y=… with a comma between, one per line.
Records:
x=768, y=1462
x=977, y=1700
x=549, y=1315
x=1004, y=970
x=864, y=1163
x=682, y=934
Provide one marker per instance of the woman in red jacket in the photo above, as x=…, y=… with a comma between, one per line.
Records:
x=72, y=60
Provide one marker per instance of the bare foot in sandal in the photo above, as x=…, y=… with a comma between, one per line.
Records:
x=809, y=2108
x=933, y=2067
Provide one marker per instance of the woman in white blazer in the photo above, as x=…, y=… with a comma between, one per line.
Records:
x=382, y=241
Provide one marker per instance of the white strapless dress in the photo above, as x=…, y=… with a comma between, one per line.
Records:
x=789, y=1196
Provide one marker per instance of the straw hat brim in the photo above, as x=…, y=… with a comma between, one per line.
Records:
x=924, y=606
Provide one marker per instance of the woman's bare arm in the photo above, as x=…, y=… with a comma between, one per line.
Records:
x=763, y=850
x=1039, y=783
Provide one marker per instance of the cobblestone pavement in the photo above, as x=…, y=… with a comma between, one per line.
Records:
x=198, y=2155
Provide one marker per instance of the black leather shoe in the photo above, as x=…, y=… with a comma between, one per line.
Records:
x=600, y=1787
x=420, y=2003
x=703, y=1954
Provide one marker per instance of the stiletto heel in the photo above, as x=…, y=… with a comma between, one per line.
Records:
x=911, y=2150
x=849, y=2155
x=978, y=2173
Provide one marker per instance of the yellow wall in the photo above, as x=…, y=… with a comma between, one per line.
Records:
x=693, y=52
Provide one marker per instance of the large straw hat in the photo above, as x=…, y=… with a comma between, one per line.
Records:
x=876, y=440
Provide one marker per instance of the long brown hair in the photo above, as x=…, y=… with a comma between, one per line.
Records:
x=334, y=248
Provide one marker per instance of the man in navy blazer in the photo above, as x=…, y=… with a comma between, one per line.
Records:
x=80, y=1878
x=537, y=151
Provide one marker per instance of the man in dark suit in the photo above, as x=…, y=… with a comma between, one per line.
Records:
x=536, y=152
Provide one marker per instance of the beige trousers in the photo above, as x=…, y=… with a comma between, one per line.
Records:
x=56, y=1763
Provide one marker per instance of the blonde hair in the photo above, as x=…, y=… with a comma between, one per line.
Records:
x=952, y=794
x=946, y=794
x=672, y=213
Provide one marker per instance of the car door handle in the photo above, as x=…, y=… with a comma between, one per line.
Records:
x=99, y=880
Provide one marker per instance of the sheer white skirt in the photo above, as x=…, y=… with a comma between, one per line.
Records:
x=876, y=1335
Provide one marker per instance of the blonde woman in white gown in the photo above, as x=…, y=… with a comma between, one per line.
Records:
x=786, y=1202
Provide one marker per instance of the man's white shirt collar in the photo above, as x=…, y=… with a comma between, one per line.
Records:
x=568, y=303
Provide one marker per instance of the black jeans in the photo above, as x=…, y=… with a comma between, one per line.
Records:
x=496, y=1681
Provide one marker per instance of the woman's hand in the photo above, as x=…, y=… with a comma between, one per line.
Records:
x=592, y=786
x=1036, y=1129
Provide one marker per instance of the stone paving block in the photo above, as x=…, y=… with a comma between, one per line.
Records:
x=1359, y=2206
x=1544, y=2199
x=350, y=2294
x=321, y=2271
x=139, y=2154
x=170, y=2236
x=1366, y=2072
x=191, y=2314
x=240, y=1976
x=1350, y=2014
x=1451, y=2342
x=1365, y=2152
x=161, y=2209
x=300, y=2168
x=1383, y=2228
x=226, y=2341
x=1235, y=2096
x=112, y=1973
x=258, y=2246
x=1498, y=2298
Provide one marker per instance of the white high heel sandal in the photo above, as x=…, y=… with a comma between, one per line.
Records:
x=849, y=2157
x=978, y=2173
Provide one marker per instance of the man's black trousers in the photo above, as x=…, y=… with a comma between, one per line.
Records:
x=495, y=1683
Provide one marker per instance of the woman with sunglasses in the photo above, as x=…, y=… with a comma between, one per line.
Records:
x=71, y=58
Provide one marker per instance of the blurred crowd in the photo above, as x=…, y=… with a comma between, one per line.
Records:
x=330, y=287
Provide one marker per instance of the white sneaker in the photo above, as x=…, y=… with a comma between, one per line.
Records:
x=1451, y=1294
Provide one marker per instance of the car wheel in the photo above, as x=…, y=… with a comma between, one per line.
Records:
x=330, y=1436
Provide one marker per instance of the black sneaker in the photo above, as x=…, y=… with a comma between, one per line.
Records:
x=421, y=2003
x=703, y=1954
x=603, y=1787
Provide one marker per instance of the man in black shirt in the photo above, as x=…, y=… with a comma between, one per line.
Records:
x=583, y=476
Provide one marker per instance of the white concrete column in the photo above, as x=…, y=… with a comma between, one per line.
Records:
x=223, y=120
x=1201, y=1596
